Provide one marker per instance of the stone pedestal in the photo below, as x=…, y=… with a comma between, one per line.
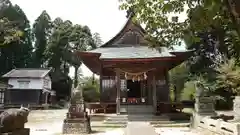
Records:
x=205, y=105
x=236, y=108
x=77, y=120
x=76, y=126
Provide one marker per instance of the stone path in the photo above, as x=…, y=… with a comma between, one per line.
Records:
x=139, y=128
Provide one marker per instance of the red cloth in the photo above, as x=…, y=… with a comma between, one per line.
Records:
x=132, y=100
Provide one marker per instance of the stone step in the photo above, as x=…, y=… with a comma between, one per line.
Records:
x=136, y=109
x=170, y=124
x=107, y=125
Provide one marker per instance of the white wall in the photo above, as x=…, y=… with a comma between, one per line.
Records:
x=49, y=82
x=34, y=83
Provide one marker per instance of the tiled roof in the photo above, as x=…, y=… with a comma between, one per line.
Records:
x=27, y=73
x=132, y=52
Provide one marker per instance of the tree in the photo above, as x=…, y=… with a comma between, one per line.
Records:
x=41, y=30
x=228, y=76
x=64, y=41
x=97, y=39
x=8, y=32
x=17, y=53
x=98, y=42
x=178, y=77
x=80, y=40
x=201, y=17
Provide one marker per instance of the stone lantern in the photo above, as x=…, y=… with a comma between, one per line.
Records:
x=77, y=120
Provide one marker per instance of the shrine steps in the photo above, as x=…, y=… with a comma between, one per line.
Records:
x=136, y=109
x=121, y=121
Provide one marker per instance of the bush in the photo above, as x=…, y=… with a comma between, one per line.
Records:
x=91, y=94
x=189, y=91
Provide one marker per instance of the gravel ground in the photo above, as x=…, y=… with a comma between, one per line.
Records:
x=49, y=122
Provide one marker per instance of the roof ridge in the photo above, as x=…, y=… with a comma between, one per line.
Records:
x=33, y=68
x=27, y=72
x=9, y=72
x=129, y=19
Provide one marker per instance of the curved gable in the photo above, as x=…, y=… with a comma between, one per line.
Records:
x=131, y=34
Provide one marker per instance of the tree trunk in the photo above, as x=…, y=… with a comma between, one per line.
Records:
x=232, y=6
x=76, y=76
x=93, y=79
x=175, y=93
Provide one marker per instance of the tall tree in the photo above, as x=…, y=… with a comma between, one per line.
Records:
x=16, y=54
x=9, y=32
x=98, y=42
x=80, y=40
x=58, y=41
x=41, y=31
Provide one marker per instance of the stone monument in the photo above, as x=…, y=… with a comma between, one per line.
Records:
x=204, y=103
x=12, y=121
x=77, y=120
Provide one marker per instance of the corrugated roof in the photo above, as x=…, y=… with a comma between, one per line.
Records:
x=27, y=73
x=132, y=52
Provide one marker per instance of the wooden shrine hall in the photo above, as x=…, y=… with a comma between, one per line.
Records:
x=131, y=73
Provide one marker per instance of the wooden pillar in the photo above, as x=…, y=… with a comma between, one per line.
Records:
x=118, y=83
x=154, y=93
x=149, y=91
x=101, y=87
x=167, y=85
x=46, y=98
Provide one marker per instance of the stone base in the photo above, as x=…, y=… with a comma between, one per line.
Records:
x=76, y=126
x=25, y=131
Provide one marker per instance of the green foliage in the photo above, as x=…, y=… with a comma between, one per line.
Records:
x=16, y=37
x=91, y=90
x=49, y=44
x=178, y=77
x=41, y=30
x=9, y=32
x=189, y=19
x=97, y=39
x=188, y=93
x=228, y=76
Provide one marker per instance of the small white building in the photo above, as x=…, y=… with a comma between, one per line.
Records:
x=29, y=86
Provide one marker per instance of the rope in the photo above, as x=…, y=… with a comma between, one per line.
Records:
x=136, y=74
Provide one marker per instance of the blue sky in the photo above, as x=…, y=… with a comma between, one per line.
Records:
x=102, y=16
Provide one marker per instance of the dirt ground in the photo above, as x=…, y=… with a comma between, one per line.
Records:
x=46, y=122
x=49, y=122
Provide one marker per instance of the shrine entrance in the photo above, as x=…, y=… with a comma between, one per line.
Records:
x=130, y=71
x=134, y=89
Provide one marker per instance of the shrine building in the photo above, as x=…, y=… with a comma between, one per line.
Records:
x=131, y=73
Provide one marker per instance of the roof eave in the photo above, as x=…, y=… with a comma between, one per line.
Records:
x=138, y=59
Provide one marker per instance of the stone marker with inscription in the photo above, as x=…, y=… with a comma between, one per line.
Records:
x=204, y=103
x=77, y=121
